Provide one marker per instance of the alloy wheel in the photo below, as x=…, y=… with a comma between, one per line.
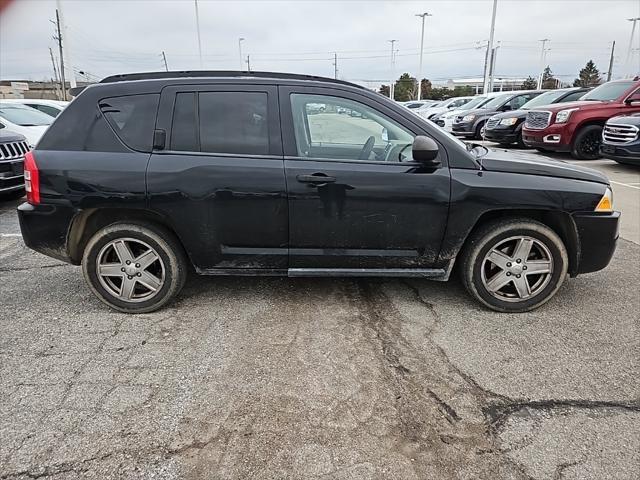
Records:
x=130, y=270
x=517, y=268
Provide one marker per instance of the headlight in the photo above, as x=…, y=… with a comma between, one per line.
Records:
x=563, y=115
x=508, y=121
x=468, y=118
x=606, y=202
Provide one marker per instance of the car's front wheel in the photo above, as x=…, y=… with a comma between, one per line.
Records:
x=586, y=145
x=514, y=265
x=134, y=268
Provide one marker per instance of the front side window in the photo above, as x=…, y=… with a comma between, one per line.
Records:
x=520, y=100
x=572, y=97
x=347, y=130
x=48, y=109
x=133, y=118
x=221, y=122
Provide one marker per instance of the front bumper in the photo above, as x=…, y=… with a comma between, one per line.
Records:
x=44, y=229
x=11, y=176
x=555, y=138
x=500, y=135
x=626, y=154
x=597, y=236
x=464, y=129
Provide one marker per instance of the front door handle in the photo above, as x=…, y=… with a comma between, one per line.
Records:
x=316, y=178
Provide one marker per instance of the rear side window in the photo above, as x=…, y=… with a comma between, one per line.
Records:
x=221, y=122
x=133, y=119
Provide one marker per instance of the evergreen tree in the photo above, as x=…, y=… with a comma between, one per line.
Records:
x=588, y=76
x=406, y=88
x=549, y=82
x=530, y=83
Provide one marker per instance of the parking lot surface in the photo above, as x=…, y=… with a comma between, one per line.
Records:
x=320, y=378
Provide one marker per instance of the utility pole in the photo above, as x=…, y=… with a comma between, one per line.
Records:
x=335, y=65
x=164, y=59
x=59, y=38
x=392, y=74
x=423, y=15
x=609, y=73
x=487, y=63
x=543, y=55
x=240, y=40
x=69, y=63
x=627, y=64
x=55, y=73
x=248, y=64
x=198, y=31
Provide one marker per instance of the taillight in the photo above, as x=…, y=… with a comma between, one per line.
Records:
x=31, y=179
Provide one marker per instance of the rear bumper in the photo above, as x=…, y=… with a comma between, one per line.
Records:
x=44, y=229
x=598, y=235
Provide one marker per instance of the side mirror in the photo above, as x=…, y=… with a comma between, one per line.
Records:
x=425, y=151
x=505, y=108
x=633, y=102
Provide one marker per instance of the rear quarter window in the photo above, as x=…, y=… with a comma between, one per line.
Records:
x=132, y=118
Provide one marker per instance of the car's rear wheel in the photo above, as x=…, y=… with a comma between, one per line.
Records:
x=586, y=145
x=514, y=265
x=134, y=268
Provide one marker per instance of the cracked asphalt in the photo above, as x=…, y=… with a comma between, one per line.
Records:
x=316, y=378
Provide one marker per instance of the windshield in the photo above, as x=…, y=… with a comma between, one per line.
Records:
x=24, y=116
x=544, y=99
x=476, y=102
x=608, y=91
x=497, y=101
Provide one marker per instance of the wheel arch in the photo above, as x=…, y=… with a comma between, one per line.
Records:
x=560, y=222
x=87, y=222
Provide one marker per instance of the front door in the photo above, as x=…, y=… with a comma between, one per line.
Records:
x=219, y=180
x=357, y=199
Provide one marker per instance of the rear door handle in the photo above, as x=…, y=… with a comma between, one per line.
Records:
x=316, y=178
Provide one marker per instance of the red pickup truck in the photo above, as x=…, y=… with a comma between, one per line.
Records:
x=576, y=127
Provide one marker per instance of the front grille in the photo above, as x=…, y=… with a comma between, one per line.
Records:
x=492, y=122
x=537, y=120
x=618, y=133
x=13, y=150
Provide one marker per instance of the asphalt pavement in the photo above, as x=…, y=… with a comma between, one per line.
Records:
x=320, y=378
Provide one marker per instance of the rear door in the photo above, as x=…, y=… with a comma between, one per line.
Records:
x=219, y=178
x=356, y=197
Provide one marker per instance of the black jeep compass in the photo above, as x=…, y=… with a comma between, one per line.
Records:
x=235, y=173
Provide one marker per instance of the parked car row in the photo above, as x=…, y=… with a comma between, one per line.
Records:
x=22, y=123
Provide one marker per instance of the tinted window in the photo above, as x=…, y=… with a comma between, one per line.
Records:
x=573, y=96
x=184, y=134
x=343, y=130
x=48, y=109
x=233, y=122
x=132, y=118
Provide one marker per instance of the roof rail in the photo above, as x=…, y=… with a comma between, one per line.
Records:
x=219, y=73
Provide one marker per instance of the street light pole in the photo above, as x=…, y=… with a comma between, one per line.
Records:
x=240, y=40
x=633, y=31
x=423, y=15
x=485, y=82
x=198, y=30
x=392, y=81
x=542, y=62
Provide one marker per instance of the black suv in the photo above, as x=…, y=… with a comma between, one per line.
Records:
x=469, y=124
x=506, y=128
x=621, y=139
x=145, y=175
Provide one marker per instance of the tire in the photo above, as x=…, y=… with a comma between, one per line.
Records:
x=167, y=271
x=586, y=144
x=520, y=142
x=478, y=134
x=478, y=272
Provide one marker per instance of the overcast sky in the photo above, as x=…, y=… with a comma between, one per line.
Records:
x=117, y=36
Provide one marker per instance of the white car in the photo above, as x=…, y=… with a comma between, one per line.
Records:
x=416, y=104
x=24, y=120
x=445, y=120
x=451, y=104
x=50, y=107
